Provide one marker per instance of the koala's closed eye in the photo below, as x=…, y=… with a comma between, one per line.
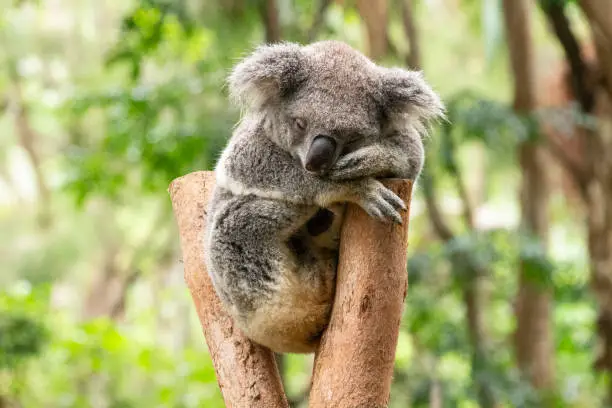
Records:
x=299, y=124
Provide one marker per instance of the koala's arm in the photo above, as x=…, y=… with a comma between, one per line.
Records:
x=398, y=156
x=252, y=164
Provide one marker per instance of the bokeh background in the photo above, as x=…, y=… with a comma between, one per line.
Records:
x=103, y=103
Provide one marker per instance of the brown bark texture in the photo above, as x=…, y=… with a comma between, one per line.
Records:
x=596, y=180
x=375, y=15
x=599, y=223
x=413, y=60
x=533, y=336
x=271, y=21
x=354, y=363
x=246, y=372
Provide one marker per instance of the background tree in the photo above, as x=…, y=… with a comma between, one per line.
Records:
x=533, y=336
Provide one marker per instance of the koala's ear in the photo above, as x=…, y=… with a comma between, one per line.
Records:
x=407, y=93
x=270, y=72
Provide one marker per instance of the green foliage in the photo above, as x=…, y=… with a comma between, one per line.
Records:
x=20, y=337
x=562, y=3
x=148, y=125
x=150, y=24
x=23, y=334
x=536, y=265
x=69, y=363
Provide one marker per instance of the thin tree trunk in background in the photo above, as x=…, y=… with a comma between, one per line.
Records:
x=28, y=139
x=374, y=14
x=599, y=14
x=413, y=60
x=271, y=21
x=435, y=395
x=598, y=151
x=472, y=292
x=533, y=335
x=591, y=86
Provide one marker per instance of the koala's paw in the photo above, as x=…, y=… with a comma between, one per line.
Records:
x=352, y=166
x=380, y=202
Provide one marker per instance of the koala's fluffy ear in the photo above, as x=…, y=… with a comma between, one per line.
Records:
x=270, y=72
x=407, y=93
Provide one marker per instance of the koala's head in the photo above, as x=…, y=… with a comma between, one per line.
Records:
x=326, y=99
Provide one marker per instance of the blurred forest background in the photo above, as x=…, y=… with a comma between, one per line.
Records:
x=103, y=103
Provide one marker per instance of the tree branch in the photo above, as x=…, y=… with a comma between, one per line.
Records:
x=413, y=59
x=269, y=12
x=374, y=14
x=598, y=18
x=577, y=173
x=29, y=140
x=354, y=363
x=555, y=12
x=246, y=372
x=533, y=335
x=443, y=231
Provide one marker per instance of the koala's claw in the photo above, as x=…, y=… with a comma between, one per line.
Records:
x=380, y=202
x=349, y=167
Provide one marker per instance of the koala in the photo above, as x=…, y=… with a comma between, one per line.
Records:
x=321, y=125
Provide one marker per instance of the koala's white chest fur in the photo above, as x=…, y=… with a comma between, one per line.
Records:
x=224, y=179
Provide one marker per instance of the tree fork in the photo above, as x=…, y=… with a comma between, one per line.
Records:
x=354, y=363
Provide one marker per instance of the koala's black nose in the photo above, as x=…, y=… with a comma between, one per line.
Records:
x=321, y=154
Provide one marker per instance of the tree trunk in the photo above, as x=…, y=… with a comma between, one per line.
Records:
x=246, y=372
x=271, y=21
x=533, y=336
x=413, y=59
x=354, y=363
x=472, y=291
x=599, y=189
x=599, y=221
x=375, y=15
x=28, y=139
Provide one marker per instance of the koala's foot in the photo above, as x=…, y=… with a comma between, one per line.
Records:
x=378, y=201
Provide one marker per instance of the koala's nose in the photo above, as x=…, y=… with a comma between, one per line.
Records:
x=321, y=154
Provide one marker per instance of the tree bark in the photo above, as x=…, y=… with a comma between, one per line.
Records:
x=533, y=335
x=375, y=16
x=413, y=60
x=599, y=223
x=594, y=174
x=271, y=21
x=599, y=188
x=246, y=372
x=354, y=363
x=599, y=14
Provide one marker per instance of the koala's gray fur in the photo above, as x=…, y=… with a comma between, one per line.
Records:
x=273, y=225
